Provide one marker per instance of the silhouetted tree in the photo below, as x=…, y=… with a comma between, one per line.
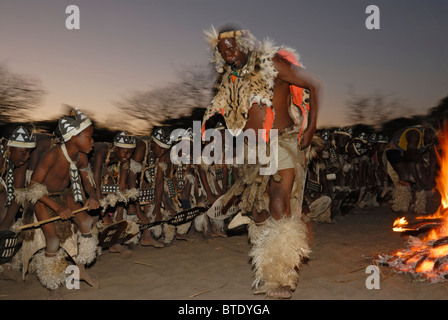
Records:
x=173, y=103
x=373, y=109
x=19, y=94
x=439, y=113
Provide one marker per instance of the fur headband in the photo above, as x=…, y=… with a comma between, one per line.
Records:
x=213, y=36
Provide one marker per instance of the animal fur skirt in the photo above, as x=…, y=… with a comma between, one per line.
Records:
x=278, y=247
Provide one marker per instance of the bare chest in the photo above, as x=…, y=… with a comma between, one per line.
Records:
x=58, y=177
x=280, y=106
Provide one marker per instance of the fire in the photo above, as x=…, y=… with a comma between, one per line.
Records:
x=442, y=184
x=442, y=177
x=432, y=235
x=426, y=266
x=439, y=251
x=399, y=223
x=427, y=257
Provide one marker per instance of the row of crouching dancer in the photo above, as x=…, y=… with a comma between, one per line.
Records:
x=99, y=195
x=363, y=169
x=127, y=176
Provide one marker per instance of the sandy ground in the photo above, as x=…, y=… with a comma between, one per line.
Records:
x=219, y=269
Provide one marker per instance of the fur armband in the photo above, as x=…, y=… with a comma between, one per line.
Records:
x=133, y=193
x=125, y=196
x=90, y=175
x=28, y=175
x=135, y=167
x=86, y=169
x=35, y=192
x=21, y=196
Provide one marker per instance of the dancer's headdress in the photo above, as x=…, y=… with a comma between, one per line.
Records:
x=213, y=36
x=187, y=134
x=22, y=138
x=362, y=136
x=383, y=139
x=161, y=136
x=123, y=140
x=326, y=134
x=245, y=40
x=346, y=131
x=74, y=124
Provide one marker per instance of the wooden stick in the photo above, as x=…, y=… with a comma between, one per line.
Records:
x=38, y=223
x=145, y=264
x=206, y=291
x=199, y=293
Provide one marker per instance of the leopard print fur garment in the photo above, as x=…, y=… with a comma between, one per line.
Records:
x=235, y=95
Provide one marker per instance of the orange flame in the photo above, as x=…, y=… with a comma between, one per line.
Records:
x=426, y=266
x=422, y=254
x=442, y=184
x=442, y=187
x=399, y=223
x=442, y=177
x=439, y=252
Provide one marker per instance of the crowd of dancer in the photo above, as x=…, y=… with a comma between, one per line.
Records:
x=128, y=189
x=365, y=169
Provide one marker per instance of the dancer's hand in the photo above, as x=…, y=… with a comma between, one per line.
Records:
x=64, y=213
x=92, y=203
x=307, y=138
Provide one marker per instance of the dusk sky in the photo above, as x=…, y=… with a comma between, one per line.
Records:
x=124, y=46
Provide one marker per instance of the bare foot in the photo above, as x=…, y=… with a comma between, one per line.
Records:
x=91, y=280
x=118, y=248
x=280, y=293
x=217, y=234
x=148, y=240
x=56, y=294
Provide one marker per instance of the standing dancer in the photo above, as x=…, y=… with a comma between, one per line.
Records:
x=262, y=86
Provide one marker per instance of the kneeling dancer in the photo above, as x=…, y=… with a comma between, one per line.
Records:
x=56, y=188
